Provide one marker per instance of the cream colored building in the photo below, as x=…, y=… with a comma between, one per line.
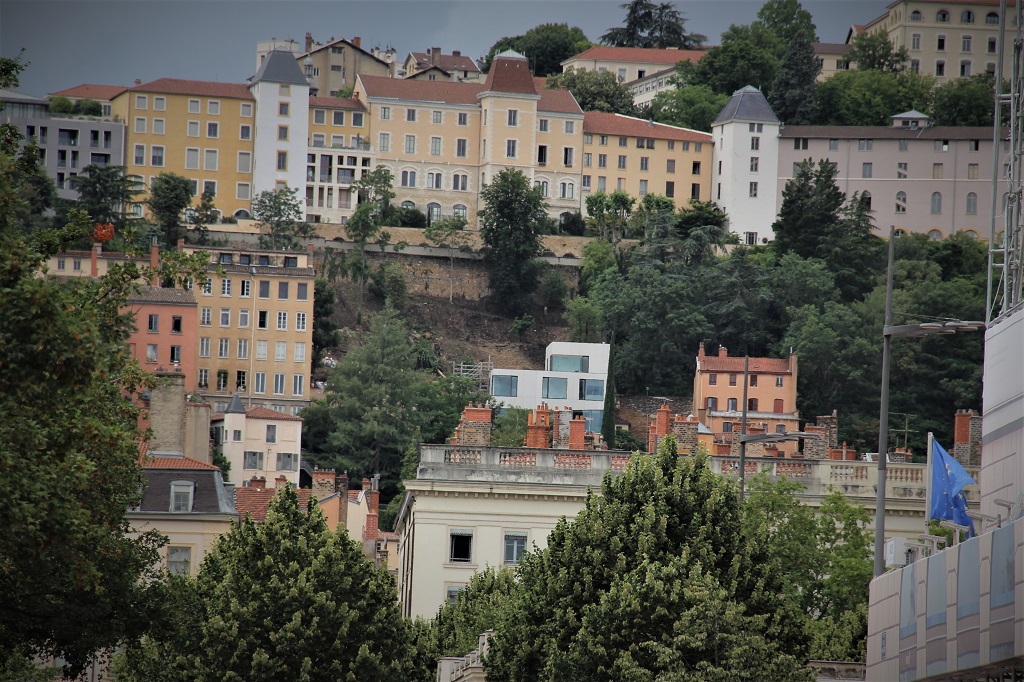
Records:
x=832, y=58
x=259, y=443
x=647, y=88
x=642, y=157
x=630, y=63
x=947, y=39
x=456, y=65
x=334, y=66
x=256, y=328
x=340, y=151
x=201, y=130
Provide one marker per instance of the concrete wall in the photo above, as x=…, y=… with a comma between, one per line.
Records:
x=1002, y=471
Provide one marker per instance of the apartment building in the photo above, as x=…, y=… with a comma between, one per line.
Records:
x=456, y=65
x=165, y=330
x=260, y=443
x=339, y=152
x=832, y=58
x=255, y=329
x=630, y=63
x=947, y=39
x=67, y=143
x=645, y=89
x=919, y=178
x=718, y=392
x=201, y=130
x=642, y=157
x=745, y=170
x=334, y=66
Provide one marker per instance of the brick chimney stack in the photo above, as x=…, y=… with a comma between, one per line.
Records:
x=967, y=437
x=371, y=532
x=280, y=482
x=577, y=434
x=435, y=56
x=94, y=268
x=357, y=41
x=325, y=483
x=538, y=428
x=723, y=352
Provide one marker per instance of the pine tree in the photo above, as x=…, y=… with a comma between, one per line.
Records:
x=608, y=419
x=792, y=93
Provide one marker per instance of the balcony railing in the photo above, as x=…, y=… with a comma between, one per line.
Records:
x=357, y=147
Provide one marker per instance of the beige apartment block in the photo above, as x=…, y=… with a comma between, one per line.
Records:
x=642, y=157
x=630, y=63
x=947, y=39
x=832, y=58
x=201, y=130
x=335, y=65
x=255, y=334
x=260, y=443
x=340, y=152
x=932, y=180
x=647, y=88
x=455, y=66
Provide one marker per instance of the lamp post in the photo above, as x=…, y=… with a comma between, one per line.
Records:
x=889, y=331
x=765, y=438
x=249, y=385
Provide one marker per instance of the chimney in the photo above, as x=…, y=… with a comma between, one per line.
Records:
x=700, y=351
x=663, y=418
x=577, y=434
x=324, y=483
x=167, y=414
x=962, y=428
x=341, y=485
x=357, y=41
x=435, y=56
x=280, y=482
x=138, y=82
x=181, y=243
x=309, y=42
x=538, y=425
x=94, y=255
x=154, y=262
x=723, y=352
x=257, y=482
x=456, y=53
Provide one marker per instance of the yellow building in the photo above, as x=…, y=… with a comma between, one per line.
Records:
x=947, y=39
x=641, y=157
x=335, y=65
x=339, y=153
x=256, y=329
x=201, y=130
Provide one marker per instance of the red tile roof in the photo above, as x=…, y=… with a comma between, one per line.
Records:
x=448, y=62
x=557, y=100
x=91, y=91
x=713, y=363
x=424, y=91
x=175, y=463
x=256, y=501
x=178, y=86
x=262, y=413
x=510, y=74
x=354, y=494
x=643, y=55
x=599, y=123
x=337, y=103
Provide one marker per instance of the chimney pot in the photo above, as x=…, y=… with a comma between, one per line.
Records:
x=723, y=352
x=357, y=41
x=138, y=82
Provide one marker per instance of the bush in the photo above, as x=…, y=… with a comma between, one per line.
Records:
x=627, y=440
x=553, y=289
x=411, y=217
x=88, y=107
x=388, y=282
x=61, y=105
x=574, y=224
x=521, y=325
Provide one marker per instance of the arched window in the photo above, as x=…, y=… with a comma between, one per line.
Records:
x=942, y=17
x=967, y=17
x=408, y=204
x=563, y=218
x=901, y=202
x=992, y=18
x=865, y=200
x=936, y=202
x=433, y=212
x=459, y=211
x=935, y=235
x=566, y=190
x=242, y=214
x=970, y=234
x=972, y=203
x=543, y=185
x=915, y=16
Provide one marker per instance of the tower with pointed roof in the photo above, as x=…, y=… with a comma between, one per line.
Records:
x=281, y=92
x=745, y=172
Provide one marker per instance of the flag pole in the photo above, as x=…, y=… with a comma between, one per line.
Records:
x=929, y=464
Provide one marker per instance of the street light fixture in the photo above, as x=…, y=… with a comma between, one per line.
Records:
x=889, y=330
x=787, y=436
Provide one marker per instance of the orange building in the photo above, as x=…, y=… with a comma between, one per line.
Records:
x=771, y=394
x=165, y=334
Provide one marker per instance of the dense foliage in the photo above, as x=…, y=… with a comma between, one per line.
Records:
x=545, y=46
x=653, y=25
x=596, y=90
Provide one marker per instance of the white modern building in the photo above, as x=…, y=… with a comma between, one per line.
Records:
x=574, y=376
x=745, y=172
x=282, y=123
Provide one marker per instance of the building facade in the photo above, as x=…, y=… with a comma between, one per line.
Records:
x=630, y=63
x=259, y=443
x=165, y=330
x=832, y=58
x=339, y=153
x=456, y=65
x=282, y=123
x=334, y=66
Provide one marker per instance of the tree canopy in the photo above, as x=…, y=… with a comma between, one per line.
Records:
x=595, y=90
x=545, y=47
x=653, y=25
x=169, y=195
x=875, y=52
x=278, y=213
x=747, y=55
x=105, y=192
x=688, y=106
x=792, y=93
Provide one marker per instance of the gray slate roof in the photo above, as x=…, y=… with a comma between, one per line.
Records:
x=746, y=104
x=211, y=495
x=280, y=67
x=236, y=406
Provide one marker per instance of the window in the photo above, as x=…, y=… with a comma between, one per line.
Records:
x=936, y=202
x=252, y=460
x=282, y=320
x=965, y=69
x=732, y=404
x=287, y=461
x=181, y=496
x=991, y=46
x=866, y=170
x=543, y=185
x=711, y=403
x=602, y=160
x=992, y=18
x=213, y=107
x=210, y=160
x=510, y=149
x=156, y=156
x=967, y=17
x=140, y=155
x=554, y=387
x=670, y=189
x=178, y=560
x=385, y=113
x=642, y=191
x=282, y=161
x=965, y=43
x=566, y=190
x=752, y=404
x=151, y=352
x=800, y=143
x=865, y=200
x=408, y=178
x=298, y=384
x=901, y=170
x=865, y=145
x=972, y=203
x=941, y=145
x=567, y=156
x=460, y=546
x=410, y=115
x=915, y=16
x=570, y=127
x=140, y=124
x=904, y=145
x=513, y=118
x=300, y=322
x=243, y=349
x=591, y=389
x=243, y=318
x=433, y=212
x=159, y=126
x=460, y=181
x=754, y=162
x=223, y=348
x=915, y=41
x=191, y=158
x=622, y=161
x=515, y=547
x=505, y=386
x=940, y=68
x=300, y=352
x=942, y=17
x=410, y=144
x=750, y=238
x=901, y=202
x=154, y=323
x=245, y=132
x=282, y=108
x=753, y=190
x=732, y=379
x=936, y=171
x=755, y=143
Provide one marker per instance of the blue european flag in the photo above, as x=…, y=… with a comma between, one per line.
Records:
x=948, y=480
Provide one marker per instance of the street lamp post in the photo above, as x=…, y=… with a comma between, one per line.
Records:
x=889, y=331
x=765, y=438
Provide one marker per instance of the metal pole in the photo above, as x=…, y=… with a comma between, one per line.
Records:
x=997, y=119
x=250, y=385
x=928, y=492
x=743, y=425
x=883, y=415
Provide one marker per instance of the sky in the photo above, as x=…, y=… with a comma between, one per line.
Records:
x=113, y=42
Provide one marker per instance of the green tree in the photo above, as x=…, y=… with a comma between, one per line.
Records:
x=610, y=213
x=792, y=92
x=747, y=55
x=653, y=579
x=278, y=215
x=596, y=90
x=701, y=230
x=874, y=51
x=104, y=193
x=169, y=195
x=871, y=97
x=688, y=106
x=608, y=417
x=964, y=101
x=510, y=427
x=789, y=21
x=598, y=256
x=61, y=105
x=364, y=227
x=205, y=214
x=88, y=107
x=284, y=599
x=653, y=25
x=584, y=320
x=545, y=46
x=456, y=628
x=325, y=329
x=449, y=234
x=510, y=233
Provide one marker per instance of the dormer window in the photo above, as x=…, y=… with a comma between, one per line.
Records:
x=182, y=493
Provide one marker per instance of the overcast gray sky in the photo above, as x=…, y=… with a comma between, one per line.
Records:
x=116, y=41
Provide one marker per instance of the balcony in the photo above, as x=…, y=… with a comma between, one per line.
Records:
x=358, y=146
